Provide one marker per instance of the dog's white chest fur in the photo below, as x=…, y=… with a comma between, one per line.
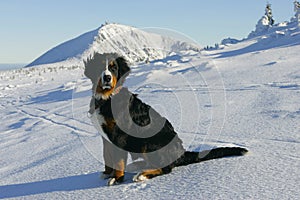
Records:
x=97, y=120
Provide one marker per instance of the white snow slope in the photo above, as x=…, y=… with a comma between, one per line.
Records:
x=246, y=95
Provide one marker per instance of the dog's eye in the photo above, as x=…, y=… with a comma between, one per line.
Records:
x=112, y=68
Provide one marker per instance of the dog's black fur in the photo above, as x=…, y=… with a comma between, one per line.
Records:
x=115, y=111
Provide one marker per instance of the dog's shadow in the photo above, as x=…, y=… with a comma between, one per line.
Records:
x=70, y=183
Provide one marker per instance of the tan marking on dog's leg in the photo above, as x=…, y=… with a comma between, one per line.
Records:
x=119, y=172
x=147, y=174
x=152, y=172
x=119, y=169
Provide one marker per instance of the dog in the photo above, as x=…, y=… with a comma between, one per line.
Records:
x=130, y=126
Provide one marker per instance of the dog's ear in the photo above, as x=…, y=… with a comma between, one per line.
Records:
x=123, y=69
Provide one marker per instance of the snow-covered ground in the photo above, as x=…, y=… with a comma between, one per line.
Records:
x=245, y=94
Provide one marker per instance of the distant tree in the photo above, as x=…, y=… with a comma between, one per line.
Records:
x=297, y=11
x=264, y=23
x=269, y=14
x=296, y=6
x=229, y=40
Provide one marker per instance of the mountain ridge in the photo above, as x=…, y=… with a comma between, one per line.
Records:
x=140, y=46
x=136, y=45
x=58, y=54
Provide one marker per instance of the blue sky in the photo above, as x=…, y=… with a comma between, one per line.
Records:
x=31, y=27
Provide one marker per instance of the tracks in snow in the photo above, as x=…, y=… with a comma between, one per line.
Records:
x=75, y=126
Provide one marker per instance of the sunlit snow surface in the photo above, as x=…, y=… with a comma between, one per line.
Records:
x=245, y=95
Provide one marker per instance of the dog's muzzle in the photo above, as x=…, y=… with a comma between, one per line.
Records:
x=106, y=80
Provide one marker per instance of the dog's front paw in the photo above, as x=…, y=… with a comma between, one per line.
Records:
x=112, y=181
x=115, y=181
x=139, y=177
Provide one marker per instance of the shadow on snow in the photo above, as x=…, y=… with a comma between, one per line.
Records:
x=70, y=183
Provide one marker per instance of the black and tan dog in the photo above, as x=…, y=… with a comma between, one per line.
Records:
x=131, y=126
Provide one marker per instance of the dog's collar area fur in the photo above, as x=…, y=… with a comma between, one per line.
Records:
x=100, y=102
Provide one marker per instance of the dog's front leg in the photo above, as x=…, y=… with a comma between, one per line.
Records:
x=120, y=160
x=115, y=162
x=119, y=172
x=108, y=159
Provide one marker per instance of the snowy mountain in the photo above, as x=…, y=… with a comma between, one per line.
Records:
x=67, y=50
x=134, y=44
x=244, y=94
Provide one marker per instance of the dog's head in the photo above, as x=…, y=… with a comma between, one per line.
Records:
x=111, y=77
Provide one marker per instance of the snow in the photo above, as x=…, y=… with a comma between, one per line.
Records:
x=134, y=44
x=246, y=94
x=68, y=49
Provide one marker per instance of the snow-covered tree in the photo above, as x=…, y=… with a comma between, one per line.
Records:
x=269, y=15
x=297, y=11
x=296, y=6
x=265, y=22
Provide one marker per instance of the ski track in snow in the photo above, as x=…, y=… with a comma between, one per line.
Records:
x=54, y=119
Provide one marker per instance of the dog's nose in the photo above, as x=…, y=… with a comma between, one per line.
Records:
x=107, y=78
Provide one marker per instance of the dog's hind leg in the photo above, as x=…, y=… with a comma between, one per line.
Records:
x=150, y=173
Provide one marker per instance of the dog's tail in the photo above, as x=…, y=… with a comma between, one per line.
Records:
x=194, y=157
